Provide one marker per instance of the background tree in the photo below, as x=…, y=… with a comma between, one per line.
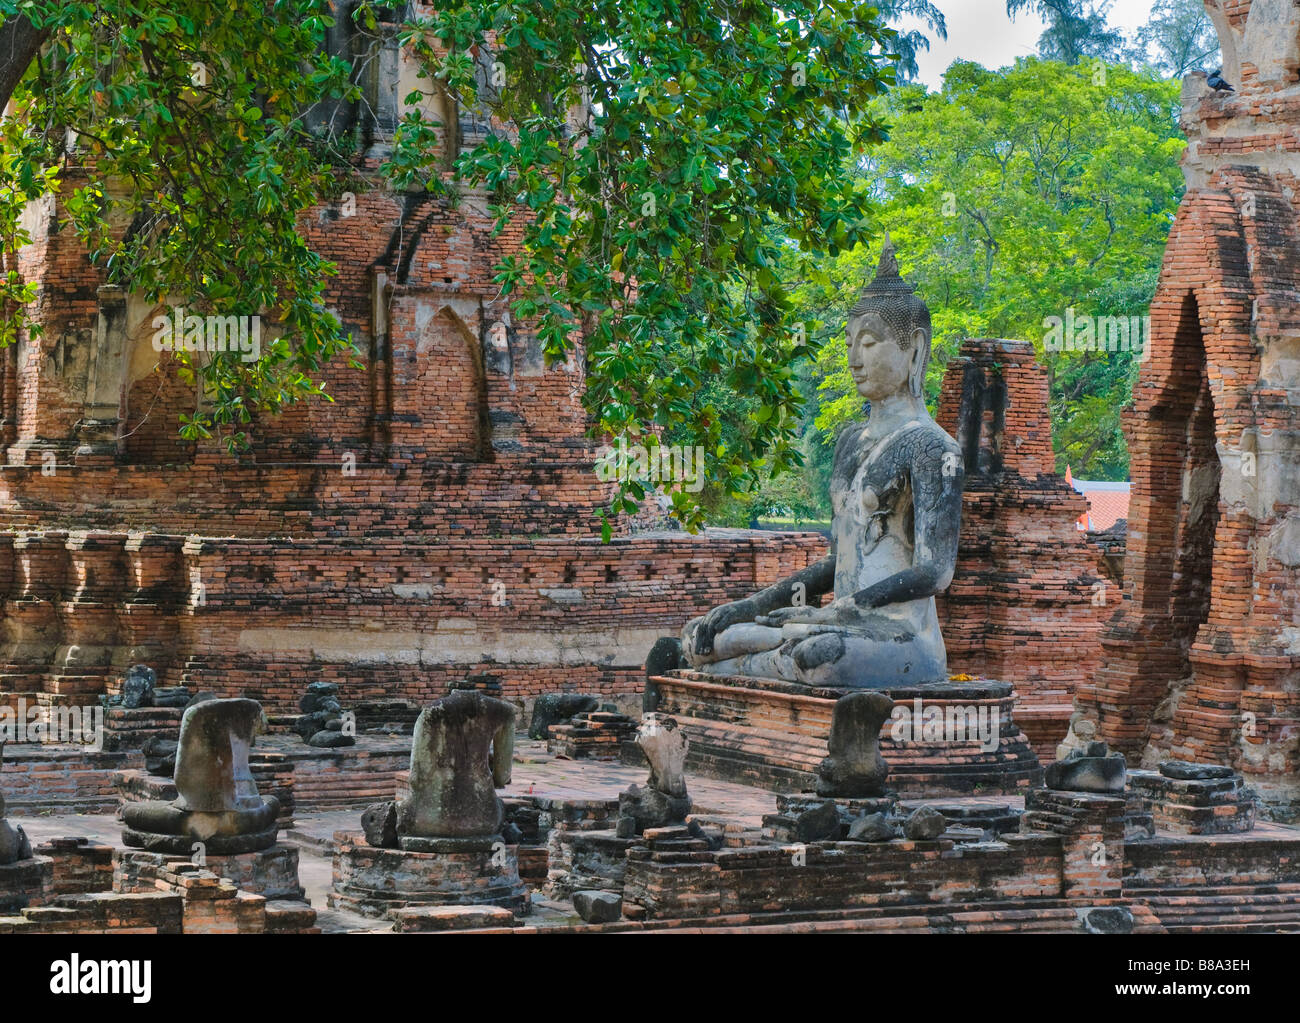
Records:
x=1178, y=38
x=1012, y=196
x=667, y=157
x=1073, y=32
x=913, y=41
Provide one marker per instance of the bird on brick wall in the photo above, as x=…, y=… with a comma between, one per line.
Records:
x=1215, y=81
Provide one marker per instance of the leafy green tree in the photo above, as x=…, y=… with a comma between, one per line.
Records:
x=175, y=129
x=1013, y=196
x=1178, y=38
x=668, y=156
x=1074, y=32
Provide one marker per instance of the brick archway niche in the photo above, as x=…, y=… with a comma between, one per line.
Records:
x=1202, y=659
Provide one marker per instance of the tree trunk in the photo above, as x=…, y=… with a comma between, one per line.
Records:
x=20, y=41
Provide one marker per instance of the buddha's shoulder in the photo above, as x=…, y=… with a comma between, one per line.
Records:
x=850, y=437
x=920, y=440
x=928, y=436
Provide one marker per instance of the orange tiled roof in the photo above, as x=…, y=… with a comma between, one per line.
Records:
x=1107, y=503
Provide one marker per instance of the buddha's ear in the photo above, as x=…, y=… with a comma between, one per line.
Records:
x=920, y=359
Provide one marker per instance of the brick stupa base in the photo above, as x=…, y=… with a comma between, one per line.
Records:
x=379, y=882
x=773, y=734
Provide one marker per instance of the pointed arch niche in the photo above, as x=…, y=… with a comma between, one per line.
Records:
x=439, y=384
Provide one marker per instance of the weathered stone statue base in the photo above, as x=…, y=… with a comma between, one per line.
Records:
x=375, y=882
x=776, y=734
x=165, y=828
x=417, y=843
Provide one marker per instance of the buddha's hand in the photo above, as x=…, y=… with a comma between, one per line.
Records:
x=700, y=632
x=795, y=616
x=839, y=612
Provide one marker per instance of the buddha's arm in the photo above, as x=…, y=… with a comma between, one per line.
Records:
x=812, y=582
x=815, y=580
x=503, y=752
x=936, y=515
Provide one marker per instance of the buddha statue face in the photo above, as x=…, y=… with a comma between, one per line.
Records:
x=888, y=334
x=880, y=365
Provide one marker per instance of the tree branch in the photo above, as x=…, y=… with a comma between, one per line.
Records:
x=20, y=41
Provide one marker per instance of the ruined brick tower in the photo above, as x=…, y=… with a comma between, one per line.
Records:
x=1022, y=606
x=1203, y=660
x=435, y=519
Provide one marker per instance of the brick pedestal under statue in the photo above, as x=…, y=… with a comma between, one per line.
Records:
x=774, y=734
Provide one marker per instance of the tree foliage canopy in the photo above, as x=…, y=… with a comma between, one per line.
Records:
x=1013, y=196
x=1074, y=31
x=671, y=156
x=176, y=128
x=700, y=181
x=667, y=156
x=1178, y=38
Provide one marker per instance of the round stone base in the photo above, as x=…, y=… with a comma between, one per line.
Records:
x=375, y=882
x=185, y=845
x=166, y=828
x=418, y=843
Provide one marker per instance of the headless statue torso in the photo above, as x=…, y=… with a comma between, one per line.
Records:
x=460, y=753
x=212, y=772
x=217, y=802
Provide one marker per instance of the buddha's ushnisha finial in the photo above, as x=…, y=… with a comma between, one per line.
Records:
x=892, y=299
x=887, y=278
x=888, y=263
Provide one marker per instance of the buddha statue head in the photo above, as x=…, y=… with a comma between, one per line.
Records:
x=888, y=334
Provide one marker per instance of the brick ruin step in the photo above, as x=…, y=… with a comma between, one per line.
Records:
x=1195, y=806
x=95, y=889
x=595, y=735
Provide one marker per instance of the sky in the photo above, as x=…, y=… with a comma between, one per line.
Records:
x=980, y=30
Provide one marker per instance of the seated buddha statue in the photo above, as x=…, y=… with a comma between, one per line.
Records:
x=896, y=490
